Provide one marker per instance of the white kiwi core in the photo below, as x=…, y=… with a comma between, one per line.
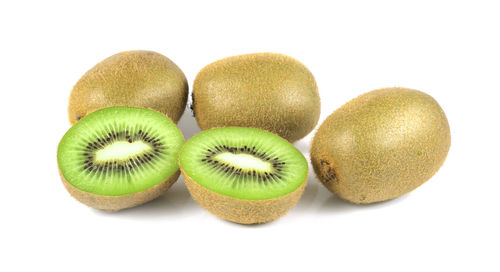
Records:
x=244, y=161
x=121, y=150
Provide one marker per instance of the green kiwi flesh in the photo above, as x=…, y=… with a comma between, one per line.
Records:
x=143, y=79
x=244, y=175
x=119, y=157
x=381, y=145
x=269, y=91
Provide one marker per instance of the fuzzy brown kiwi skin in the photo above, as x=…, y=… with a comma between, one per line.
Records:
x=143, y=79
x=381, y=145
x=243, y=211
x=116, y=203
x=269, y=91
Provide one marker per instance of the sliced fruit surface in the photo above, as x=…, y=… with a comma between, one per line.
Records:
x=244, y=163
x=119, y=150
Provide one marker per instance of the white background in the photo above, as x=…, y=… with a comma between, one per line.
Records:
x=451, y=50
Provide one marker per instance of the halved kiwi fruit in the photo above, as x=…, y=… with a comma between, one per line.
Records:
x=119, y=157
x=244, y=175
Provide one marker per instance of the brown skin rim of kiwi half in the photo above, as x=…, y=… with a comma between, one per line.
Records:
x=243, y=211
x=116, y=203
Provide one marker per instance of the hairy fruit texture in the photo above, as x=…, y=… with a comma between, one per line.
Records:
x=143, y=79
x=243, y=211
x=269, y=91
x=381, y=145
x=116, y=203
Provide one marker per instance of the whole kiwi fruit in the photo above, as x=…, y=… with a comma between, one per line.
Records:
x=143, y=79
x=244, y=175
x=381, y=145
x=269, y=91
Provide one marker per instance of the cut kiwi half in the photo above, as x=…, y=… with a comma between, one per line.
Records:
x=119, y=157
x=244, y=175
